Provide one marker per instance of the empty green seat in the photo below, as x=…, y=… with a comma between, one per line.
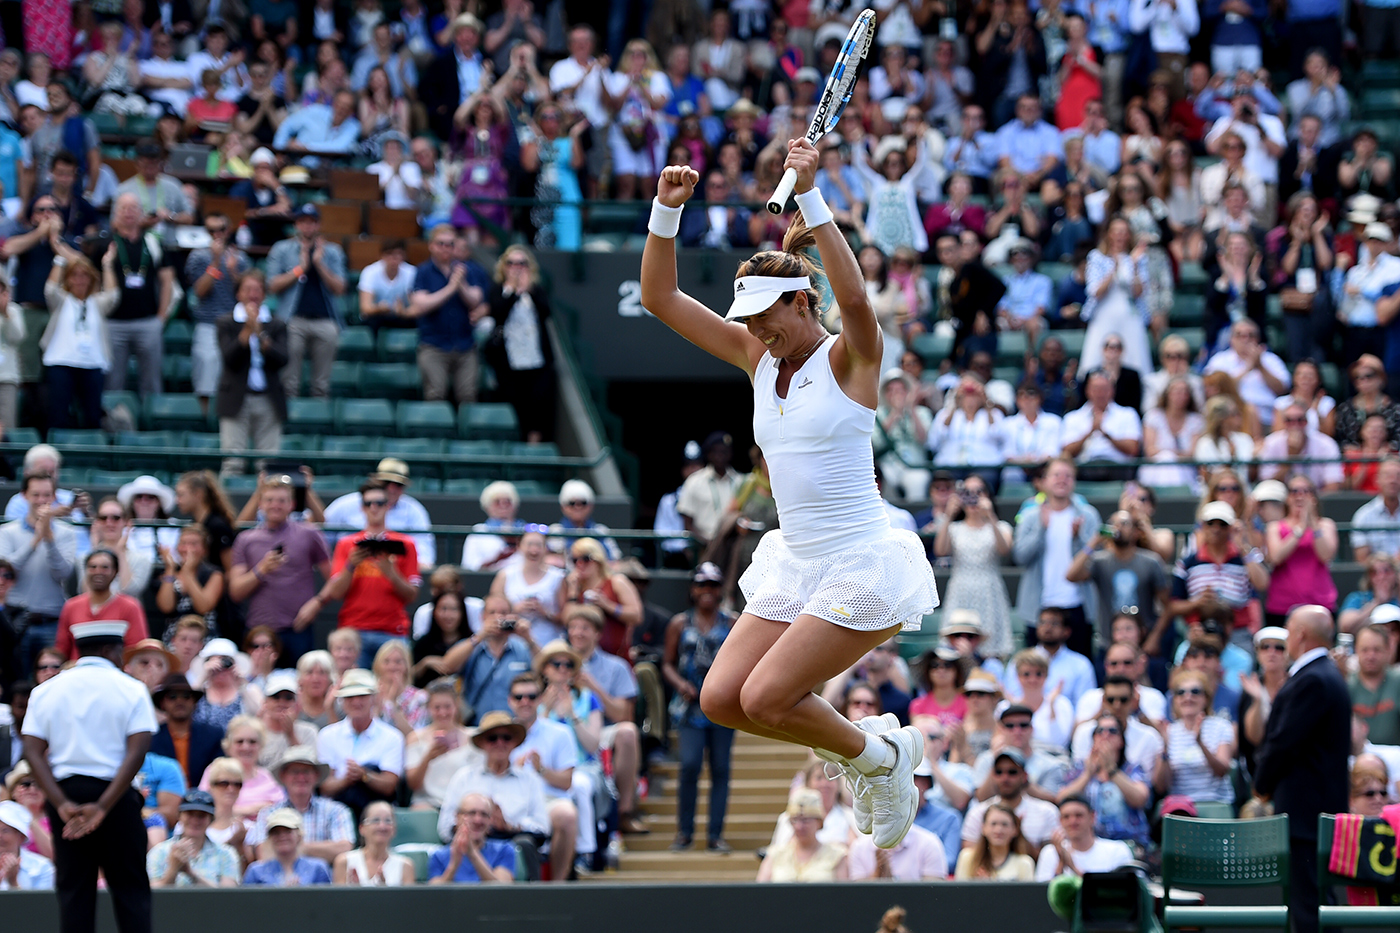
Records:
x=392, y=381
x=28, y=436
x=534, y=488
x=932, y=347
x=175, y=413
x=97, y=454
x=546, y=473
x=299, y=442
x=356, y=345
x=1058, y=271
x=201, y=441
x=412, y=447
x=1188, y=311
x=1200, y=853
x=348, y=444
x=473, y=449
x=240, y=482
x=178, y=337
x=353, y=452
x=415, y=826
x=145, y=463
x=1192, y=279
x=364, y=416
x=471, y=488
x=1011, y=348
x=347, y=379
x=426, y=419
x=338, y=484
x=490, y=421
x=427, y=484
x=398, y=345
x=178, y=372
x=310, y=415
x=112, y=478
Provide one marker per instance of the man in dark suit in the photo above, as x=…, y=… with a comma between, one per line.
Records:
x=1307, y=164
x=1302, y=765
x=455, y=75
x=192, y=744
x=252, y=401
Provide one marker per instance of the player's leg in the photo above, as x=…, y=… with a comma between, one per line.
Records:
x=748, y=641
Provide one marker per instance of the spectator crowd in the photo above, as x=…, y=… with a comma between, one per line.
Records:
x=1029, y=214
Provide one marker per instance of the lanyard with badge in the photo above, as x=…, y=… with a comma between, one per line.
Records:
x=137, y=278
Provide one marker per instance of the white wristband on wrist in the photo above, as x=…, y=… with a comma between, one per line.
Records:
x=813, y=207
x=665, y=221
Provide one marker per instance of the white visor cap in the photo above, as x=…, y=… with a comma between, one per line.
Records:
x=754, y=294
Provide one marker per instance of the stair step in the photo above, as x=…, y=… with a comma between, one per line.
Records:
x=693, y=866
x=663, y=834
x=739, y=770
x=744, y=870
x=770, y=804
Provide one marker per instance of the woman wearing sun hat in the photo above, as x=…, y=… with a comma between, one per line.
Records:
x=20, y=869
x=148, y=499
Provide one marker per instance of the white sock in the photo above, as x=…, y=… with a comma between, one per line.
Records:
x=878, y=756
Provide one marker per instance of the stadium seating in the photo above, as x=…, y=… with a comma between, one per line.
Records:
x=426, y=419
x=364, y=416
x=487, y=421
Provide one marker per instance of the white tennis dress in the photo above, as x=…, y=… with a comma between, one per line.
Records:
x=836, y=556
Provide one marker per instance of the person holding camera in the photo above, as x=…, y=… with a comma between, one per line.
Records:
x=1264, y=141
x=501, y=648
x=374, y=573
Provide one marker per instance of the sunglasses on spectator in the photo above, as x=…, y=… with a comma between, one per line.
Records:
x=50, y=667
x=225, y=783
x=1007, y=772
x=1189, y=692
x=495, y=737
x=583, y=559
x=517, y=262
x=1019, y=724
x=563, y=663
x=1372, y=793
x=1272, y=646
x=1108, y=730
x=1230, y=488
x=576, y=504
x=1300, y=490
x=109, y=517
x=522, y=697
x=1117, y=701
x=375, y=503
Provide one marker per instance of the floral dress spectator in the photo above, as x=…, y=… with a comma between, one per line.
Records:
x=402, y=705
x=977, y=541
x=892, y=219
x=112, y=75
x=480, y=139
x=1117, y=789
x=902, y=428
x=1368, y=379
x=1116, y=278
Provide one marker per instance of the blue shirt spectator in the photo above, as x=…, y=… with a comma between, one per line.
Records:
x=159, y=775
x=1028, y=293
x=497, y=852
x=1214, y=104
x=318, y=128
x=835, y=197
x=486, y=676
x=1235, y=31
x=307, y=870
x=1108, y=24
x=973, y=151
x=448, y=326
x=941, y=820
x=1028, y=141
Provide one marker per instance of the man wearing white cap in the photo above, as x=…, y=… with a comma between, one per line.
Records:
x=364, y=753
x=20, y=869
x=279, y=717
x=576, y=504
x=1223, y=570
x=1375, y=687
x=1381, y=515
x=86, y=735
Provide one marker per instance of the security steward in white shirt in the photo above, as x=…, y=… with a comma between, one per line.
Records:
x=85, y=736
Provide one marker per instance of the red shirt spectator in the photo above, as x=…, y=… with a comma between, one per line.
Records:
x=99, y=604
x=372, y=603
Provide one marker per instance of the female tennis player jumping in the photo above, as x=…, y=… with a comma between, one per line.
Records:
x=836, y=580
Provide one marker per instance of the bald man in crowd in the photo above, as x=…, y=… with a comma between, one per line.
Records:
x=1302, y=764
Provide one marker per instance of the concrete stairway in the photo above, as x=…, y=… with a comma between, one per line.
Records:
x=761, y=776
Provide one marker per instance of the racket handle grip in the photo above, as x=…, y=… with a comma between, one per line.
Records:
x=782, y=192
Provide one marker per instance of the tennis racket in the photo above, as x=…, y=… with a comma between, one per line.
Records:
x=835, y=97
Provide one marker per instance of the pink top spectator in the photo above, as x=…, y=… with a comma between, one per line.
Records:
x=1301, y=578
x=260, y=789
x=920, y=856
x=926, y=705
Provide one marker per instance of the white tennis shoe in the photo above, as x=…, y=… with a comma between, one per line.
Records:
x=894, y=800
x=855, y=781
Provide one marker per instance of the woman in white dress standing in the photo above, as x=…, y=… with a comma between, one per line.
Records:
x=836, y=580
x=1116, y=278
x=977, y=542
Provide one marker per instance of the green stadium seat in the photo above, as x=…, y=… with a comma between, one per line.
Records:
x=201, y=441
x=473, y=449
x=349, y=444
x=613, y=217
x=347, y=379
x=398, y=345
x=1188, y=310
x=415, y=826
x=113, y=478
x=1011, y=374
x=177, y=371
x=471, y=488
x=1380, y=101
x=546, y=451
x=175, y=413
x=1058, y=271
x=356, y=345
x=71, y=437
x=107, y=124
x=335, y=484
x=1011, y=348
x=300, y=442
x=364, y=416
x=426, y=419
x=394, y=381
x=1073, y=341
x=488, y=421
x=310, y=415
x=239, y=482
x=138, y=127
x=427, y=484
x=28, y=436
x=113, y=398
x=145, y=463
x=76, y=476
x=1379, y=73
x=420, y=856
x=932, y=347
x=1192, y=279
x=1235, y=854
x=178, y=337
x=535, y=488
x=412, y=447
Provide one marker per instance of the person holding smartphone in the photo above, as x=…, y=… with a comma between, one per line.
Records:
x=374, y=585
